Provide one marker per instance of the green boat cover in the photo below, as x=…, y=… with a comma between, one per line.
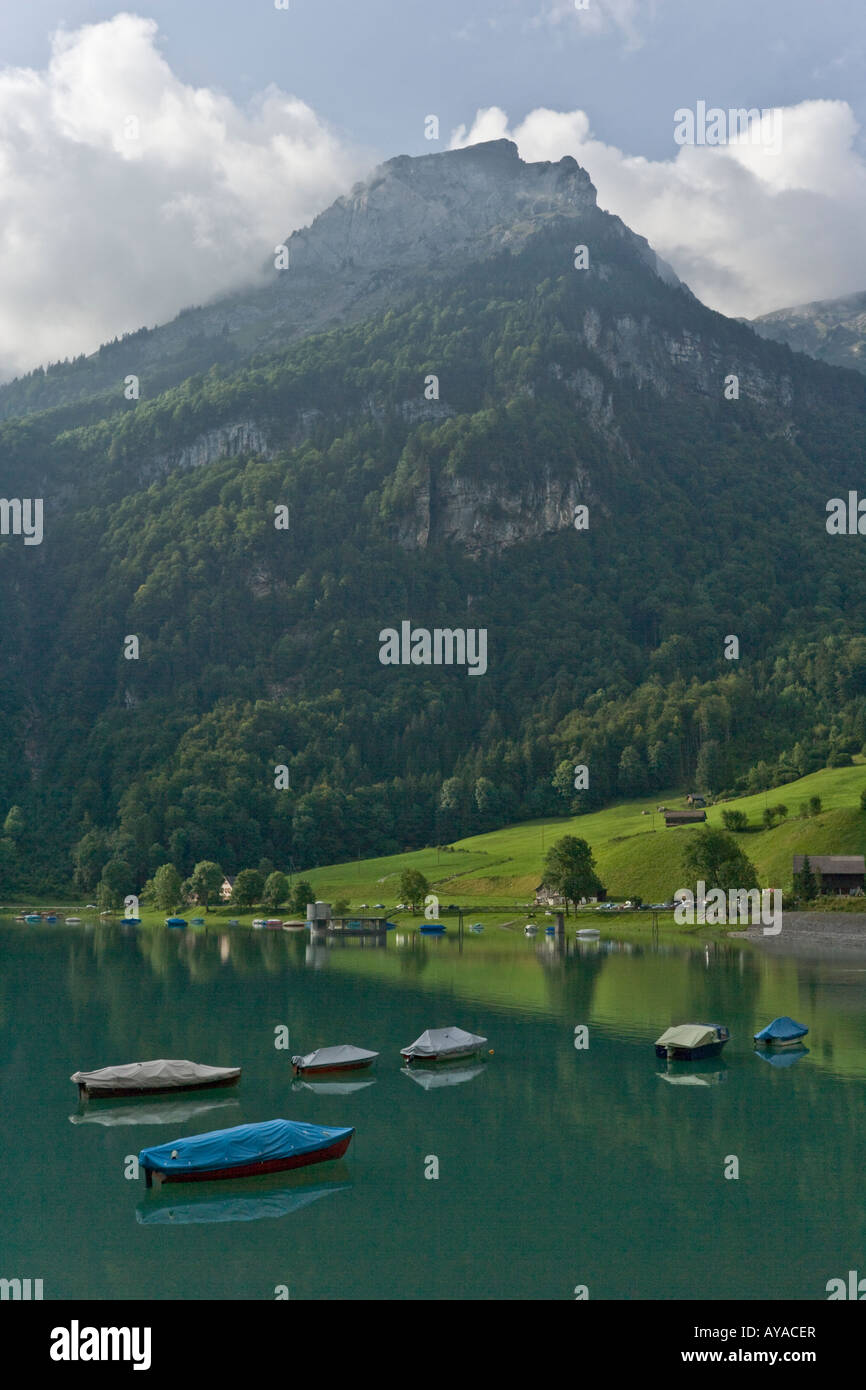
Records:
x=687, y=1035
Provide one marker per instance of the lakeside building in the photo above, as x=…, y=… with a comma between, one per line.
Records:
x=837, y=873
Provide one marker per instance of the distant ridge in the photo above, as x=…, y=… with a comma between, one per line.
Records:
x=832, y=330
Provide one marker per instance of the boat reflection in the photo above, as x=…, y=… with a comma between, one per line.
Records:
x=332, y=1088
x=785, y=1058
x=709, y=1073
x=250, y=1205
x=431, y=1078
x=159, y=1113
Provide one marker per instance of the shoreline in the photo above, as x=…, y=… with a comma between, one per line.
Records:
x=817, y=934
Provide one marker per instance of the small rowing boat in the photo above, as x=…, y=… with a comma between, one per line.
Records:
x=72, y=921
x=443, y=1045
x=175, y=921
x=433, y=929
x=530, y=929
x=342, y=1058
x=161, y=1077
x=782, y=1032
x=689, y=1042
x=274, y=1146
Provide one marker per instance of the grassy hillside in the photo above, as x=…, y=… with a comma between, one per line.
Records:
x=635, y=853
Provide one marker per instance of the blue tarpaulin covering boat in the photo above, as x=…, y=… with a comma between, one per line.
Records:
x=244, y=1151
x=782, y=1032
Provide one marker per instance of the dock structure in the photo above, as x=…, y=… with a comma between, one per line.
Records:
x=320, y=922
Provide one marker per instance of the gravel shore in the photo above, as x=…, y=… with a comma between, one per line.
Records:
x=814, y=934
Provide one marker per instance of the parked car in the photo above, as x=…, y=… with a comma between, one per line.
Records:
x=378, y=904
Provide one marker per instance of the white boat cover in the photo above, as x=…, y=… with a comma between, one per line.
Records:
x=169, y=1075
x=440, y=1042
x=326, y=1058
x=687, y=1035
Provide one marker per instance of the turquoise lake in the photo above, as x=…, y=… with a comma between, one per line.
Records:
x=558, y=1167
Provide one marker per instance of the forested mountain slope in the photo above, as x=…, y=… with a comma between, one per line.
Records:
x=559, y=387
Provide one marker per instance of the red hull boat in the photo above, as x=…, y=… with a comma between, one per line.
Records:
x=254, y=1170
x=245, y=1151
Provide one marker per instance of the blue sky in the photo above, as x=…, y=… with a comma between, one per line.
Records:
x=249, y=120
x=374, y=67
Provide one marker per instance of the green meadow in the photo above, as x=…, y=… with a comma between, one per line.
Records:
x=634, y=851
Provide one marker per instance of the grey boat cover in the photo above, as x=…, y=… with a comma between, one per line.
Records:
x=439, y=1042
x=325, y=1058
x=169, y=1075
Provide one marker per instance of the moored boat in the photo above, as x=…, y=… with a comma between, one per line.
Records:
x=33, y=917
x=782, y=1032
x=124, y=921
x=274, y=1146
x=588, y=934
x=689, y=1042
x=275, y=923
x=294, y=926
x=175, y=921
x=161, y=1077
x=196, y=921
x=443, y=1045
x=433, y=929
x=72, y=921
x=345, y=1057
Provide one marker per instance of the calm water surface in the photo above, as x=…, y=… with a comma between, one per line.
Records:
x=558, y=1167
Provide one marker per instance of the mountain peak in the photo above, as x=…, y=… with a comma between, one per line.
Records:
x=413, y=209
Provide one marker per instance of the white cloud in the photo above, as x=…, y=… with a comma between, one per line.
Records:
x=101, y=233
x=748, y=230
